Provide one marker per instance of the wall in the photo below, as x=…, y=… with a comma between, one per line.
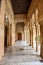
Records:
x=2, y=29
x=8, y=11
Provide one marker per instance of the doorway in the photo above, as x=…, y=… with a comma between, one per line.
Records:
x=19, y=36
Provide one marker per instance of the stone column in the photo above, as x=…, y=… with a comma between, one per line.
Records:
x=32, y=37
x=41, y=32
x=25, y=32
x=36, y=25
x=30, y=31
x=25, y=35
x=36, y=40
x=13, y=31
x=9, y=35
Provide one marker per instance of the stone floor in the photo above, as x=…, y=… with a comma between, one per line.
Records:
x=21, y=55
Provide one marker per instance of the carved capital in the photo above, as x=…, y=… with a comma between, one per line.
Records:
x=41, y=23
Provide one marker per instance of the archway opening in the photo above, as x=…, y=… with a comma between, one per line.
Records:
x=19, y=36
x=19, y=31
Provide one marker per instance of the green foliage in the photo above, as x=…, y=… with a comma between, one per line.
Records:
x=38, y=38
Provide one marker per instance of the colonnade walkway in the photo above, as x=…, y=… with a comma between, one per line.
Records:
x=21, y=54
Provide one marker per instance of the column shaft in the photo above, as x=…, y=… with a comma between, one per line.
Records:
x=30, y=38
x=41, y=31
x=36, y=40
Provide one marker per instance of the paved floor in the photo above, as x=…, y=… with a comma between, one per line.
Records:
x=21, y=55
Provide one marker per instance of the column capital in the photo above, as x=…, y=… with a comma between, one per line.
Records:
x=41, y=23
x=41, y=27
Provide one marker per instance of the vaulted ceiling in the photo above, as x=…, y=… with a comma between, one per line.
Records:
x=20, y=6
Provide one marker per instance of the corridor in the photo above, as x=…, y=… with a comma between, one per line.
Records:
x=21, y=54
x=21, y=32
